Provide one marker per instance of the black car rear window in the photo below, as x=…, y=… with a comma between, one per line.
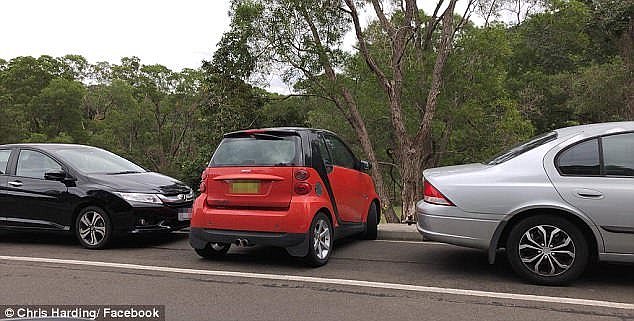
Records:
x=522, y=148
x=260, y=149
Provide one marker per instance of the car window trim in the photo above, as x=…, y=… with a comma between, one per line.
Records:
x=8, y=168
x=599, y=138
x=354, y=157
x=323, y=140
x=17, y=158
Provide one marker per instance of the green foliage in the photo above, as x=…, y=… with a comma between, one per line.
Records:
x=597, y=93
x=553, y=41
x=55, y=111
x=563, y=66
x=147, y=113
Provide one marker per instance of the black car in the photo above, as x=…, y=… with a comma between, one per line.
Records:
x=88, y=191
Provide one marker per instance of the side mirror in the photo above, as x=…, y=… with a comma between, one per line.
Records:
x=365, y=166
x=56, y=175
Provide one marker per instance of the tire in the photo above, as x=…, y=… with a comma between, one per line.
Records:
x=372, y=223
x=214, y=250
x=93, y=228
x=559, y=260
x=320, y=241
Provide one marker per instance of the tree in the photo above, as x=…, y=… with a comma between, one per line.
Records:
x=413, y=150
x=55, y=112
x=304, y=41
x=613, y=25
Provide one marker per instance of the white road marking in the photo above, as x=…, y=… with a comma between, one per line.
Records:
x=318, y=280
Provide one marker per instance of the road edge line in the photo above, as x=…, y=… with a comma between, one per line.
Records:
x=332, y=281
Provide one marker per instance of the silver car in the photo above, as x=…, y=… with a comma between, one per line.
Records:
x=556, y=202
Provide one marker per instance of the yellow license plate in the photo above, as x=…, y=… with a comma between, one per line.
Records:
x=245, y=187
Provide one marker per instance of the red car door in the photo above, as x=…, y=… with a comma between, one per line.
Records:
x=346, y=180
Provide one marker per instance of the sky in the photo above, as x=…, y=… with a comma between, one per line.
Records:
x=177, y=34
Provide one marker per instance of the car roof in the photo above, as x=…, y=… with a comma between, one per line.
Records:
x=597, y=129
x=45, y=146
x=280, y=129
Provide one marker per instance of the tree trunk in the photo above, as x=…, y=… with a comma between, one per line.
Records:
x=358, y=124
x=387, y=208
x=411, y=176
x=352, y=115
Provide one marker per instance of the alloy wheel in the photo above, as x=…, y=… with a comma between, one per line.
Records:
x=321, y=239
x=547, y=250
x=92, y=228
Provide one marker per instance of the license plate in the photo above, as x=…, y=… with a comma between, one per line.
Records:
x=184, y=214
x=246, y=187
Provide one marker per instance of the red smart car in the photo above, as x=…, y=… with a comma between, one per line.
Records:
x=296, y=188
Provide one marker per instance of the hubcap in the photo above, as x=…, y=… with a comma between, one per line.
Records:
x=92, y=228
x=547, y=250
x=321, y=239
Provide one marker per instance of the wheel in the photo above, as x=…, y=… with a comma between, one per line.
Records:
x=372, y=224
x=93, y=228
x=547, y=250
x=321, y=239
x=214, y=250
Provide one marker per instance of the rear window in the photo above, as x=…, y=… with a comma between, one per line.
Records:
x=257, y=150
x=522, y=148
x=581, y=159
x=4, y=160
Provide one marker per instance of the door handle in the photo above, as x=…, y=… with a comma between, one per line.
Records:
x=15, y=183
x=588, y=193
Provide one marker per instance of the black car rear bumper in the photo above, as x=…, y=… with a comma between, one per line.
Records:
x=295, y=244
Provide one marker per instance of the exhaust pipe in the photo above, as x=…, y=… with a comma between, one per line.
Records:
x=242, y=242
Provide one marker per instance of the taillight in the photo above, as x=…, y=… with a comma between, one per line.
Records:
x=203, y=187
x=302, y=188
x=434, y=196
x=301, y=174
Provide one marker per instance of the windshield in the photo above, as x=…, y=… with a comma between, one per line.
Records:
x=522, y=148
x=90, y=160
x=257, y=150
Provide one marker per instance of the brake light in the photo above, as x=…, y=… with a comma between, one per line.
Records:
x=301, y=174
x=302, y=188
x=434, y=196
x=254, y=131
x=203, y=187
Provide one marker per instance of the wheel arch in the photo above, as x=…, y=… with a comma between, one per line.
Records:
x=500, y=236
x=88, y=202
x=328, y=213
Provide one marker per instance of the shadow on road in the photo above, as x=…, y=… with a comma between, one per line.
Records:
x=473, y=264
x=443, y=261
x=69, y=240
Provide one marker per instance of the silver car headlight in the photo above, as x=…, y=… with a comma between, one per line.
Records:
x=140, y=198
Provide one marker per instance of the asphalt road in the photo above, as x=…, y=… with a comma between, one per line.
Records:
x=418, y=281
